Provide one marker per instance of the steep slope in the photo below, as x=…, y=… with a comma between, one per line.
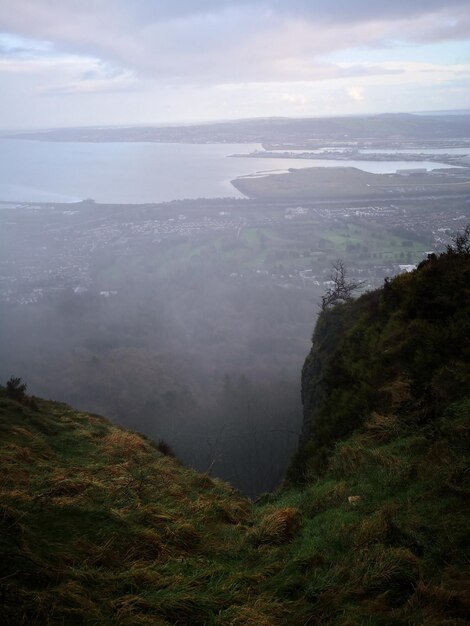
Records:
x=100, y=527
x=403, y=349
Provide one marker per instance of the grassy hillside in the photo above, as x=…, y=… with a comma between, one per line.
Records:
x=100, y=527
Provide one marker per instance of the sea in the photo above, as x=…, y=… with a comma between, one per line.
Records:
x=143, y=172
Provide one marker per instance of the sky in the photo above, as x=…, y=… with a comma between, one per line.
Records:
x=124, y=62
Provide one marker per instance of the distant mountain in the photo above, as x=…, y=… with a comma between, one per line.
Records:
x=102, y=526
x=401, y=126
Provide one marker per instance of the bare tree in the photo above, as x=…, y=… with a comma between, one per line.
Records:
x=460, y=242
x=341, y=289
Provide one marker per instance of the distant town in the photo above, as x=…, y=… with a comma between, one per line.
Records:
x=59, y=246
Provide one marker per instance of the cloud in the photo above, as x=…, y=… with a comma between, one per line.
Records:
x=16, y=46
x=211, y=41
x=294, y=98
x=93, y=82
x=61, y=74
x=356, y=93
x=201, y=59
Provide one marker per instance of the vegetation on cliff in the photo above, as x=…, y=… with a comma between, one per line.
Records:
x=371, y=527
x=402, y=350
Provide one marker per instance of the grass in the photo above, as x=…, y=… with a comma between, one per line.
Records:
x=281, y=249
x=99, y=527
x=103, y=514
x=340, y=183
x=354, y=240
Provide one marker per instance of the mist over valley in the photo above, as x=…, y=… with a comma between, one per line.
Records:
x=189, y=320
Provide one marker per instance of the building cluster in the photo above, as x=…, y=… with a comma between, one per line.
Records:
x=64, y=253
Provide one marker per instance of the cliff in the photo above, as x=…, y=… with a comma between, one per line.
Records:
x=402, y=350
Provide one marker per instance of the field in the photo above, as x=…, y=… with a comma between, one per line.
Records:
x=280, y=249
x=343, y=183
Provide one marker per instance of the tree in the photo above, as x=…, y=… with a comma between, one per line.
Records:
x=460, y=242
x=342, y=289
x=16, y=389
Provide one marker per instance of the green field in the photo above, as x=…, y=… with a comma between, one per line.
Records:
x=280, y=249
x=348, y=183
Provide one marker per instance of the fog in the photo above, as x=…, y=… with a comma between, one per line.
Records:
x=207, y=361
x=189, y=321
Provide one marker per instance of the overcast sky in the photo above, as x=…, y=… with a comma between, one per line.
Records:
x=86, y=62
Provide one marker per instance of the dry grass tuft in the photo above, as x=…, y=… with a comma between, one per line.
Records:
x=16, y=495
x=139, y=548
x=397, y=392
x=15, y=476
x=73, y=598
x=382, y=428
x=22, y=432
x=277, y=527
x=144, y=576
x=263, y=611
x=67, y=487
x=65, y=501
x=91, y=554
x=325, y=497
x=152, y=515
x=234, y=511
x=124, y=444
x=348, y=458
x=396, y=465
x=388, y=570
x=118, y=470
x=148, y=546
x=138, y=619
x=182, y=535
x=444, y=602
x=203, y=481
x=373, y=529
x=229, y=511
x=134, y=610
x=22, y=453
x=203, y=507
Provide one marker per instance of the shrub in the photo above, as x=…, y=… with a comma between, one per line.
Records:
x=165, y=448
x=16, y=389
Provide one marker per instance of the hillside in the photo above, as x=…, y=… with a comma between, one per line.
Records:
x=400, y=127
x=101, y=526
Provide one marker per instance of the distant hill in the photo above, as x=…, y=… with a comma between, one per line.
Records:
x=400, y=126
x=102, y=526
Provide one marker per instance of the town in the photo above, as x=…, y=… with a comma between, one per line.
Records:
x=75, y=246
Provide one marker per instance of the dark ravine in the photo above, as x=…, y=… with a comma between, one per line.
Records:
x=100, y=526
